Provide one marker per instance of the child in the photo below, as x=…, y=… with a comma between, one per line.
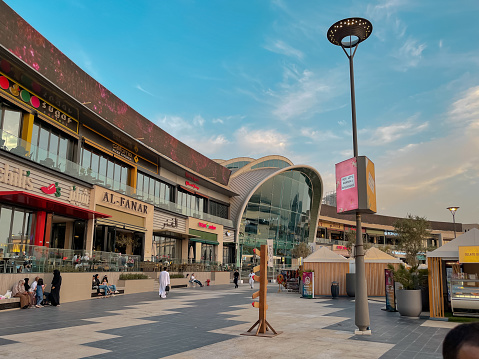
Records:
x=39, y=293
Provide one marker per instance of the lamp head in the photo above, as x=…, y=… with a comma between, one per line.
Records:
x=357, y=28
x=453, y=209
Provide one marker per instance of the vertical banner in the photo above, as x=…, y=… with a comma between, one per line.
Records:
x=308, y=285
x=390, y=292
x=270, y=252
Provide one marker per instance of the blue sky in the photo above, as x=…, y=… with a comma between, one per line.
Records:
x=253, y=78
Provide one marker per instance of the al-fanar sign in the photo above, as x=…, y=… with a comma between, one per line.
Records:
x=355, y=186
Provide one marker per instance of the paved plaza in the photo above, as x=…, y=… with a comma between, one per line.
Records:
x=207, y=323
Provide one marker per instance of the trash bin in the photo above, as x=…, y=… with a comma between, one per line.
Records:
x=334, y=289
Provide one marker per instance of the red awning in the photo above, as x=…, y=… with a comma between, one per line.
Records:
x=40, y=203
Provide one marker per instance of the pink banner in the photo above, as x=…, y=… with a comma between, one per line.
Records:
x=347, y=186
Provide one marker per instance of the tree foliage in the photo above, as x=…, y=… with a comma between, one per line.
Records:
x=350, y=237
x=412, y=231
x=301, y=250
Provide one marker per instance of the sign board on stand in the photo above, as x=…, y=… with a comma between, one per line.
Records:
x=390, y=291
x=308, y=285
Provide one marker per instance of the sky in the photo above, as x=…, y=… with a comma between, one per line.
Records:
x=255, y=78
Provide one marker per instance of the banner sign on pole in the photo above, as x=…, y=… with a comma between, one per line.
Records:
x=390, y=291
x=270, y=252
x=308, y=285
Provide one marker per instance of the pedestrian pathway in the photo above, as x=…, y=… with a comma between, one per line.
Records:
x=207, y=323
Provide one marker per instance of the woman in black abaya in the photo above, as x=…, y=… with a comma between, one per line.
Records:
x=55, y=292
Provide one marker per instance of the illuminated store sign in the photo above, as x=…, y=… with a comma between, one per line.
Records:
x=124, y=153
x=17, y=92
x=16, y=177
x=205, y=225
x=191, y=177
x=192, y=185
x=125, y=203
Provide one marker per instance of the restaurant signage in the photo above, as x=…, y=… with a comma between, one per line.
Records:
x=125, y=202
x=122, y=152
x=192, y=185
x=468, y=254
x=79, y=196
x=28, y=98
x=173, y=223
x=205, y=225
x=16, y=177
x=191, y=177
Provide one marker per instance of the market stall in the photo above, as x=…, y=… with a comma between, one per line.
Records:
x=328, y=267
x=453, y=276
x=376, y=261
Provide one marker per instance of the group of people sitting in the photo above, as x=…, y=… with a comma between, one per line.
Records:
x=108, y=289
x=34, y=295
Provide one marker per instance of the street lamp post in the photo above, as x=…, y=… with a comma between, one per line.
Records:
x=348, y=33
x=453, y=212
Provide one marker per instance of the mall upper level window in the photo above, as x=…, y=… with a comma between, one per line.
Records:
x=152, y=187
x=105, y=166
x=191, y=201
x=10, y=124
x=218, y=209
x=271, y=163
x=53, y=140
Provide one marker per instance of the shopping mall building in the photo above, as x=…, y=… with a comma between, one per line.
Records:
x=81, y=171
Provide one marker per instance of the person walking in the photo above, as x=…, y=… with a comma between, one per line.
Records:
x=251, y=279
x=164, y=283
x=236, y=278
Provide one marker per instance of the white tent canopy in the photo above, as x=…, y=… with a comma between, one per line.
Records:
x=375, y=255
x=451, y=250
x=324, y=254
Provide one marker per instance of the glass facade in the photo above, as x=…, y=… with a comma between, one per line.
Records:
x=237, y=165
x=271, y=163
x=280, y=209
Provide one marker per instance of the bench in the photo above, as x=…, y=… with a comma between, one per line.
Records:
x=9, y=303
x=94, y=293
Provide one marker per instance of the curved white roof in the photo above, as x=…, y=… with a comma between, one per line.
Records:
x=324, y=254
x=451, y=249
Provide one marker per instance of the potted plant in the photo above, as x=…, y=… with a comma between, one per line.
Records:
x=409, y=299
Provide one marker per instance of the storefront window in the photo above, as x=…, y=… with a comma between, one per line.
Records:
x=10, y=122
x=5, y=223
x=193, y=202
x=16, y=225
x=218, y=209
x=102, y=164
x=167, y=249
x=207, y=252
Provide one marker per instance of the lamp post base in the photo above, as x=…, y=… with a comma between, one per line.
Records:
x=362, y=332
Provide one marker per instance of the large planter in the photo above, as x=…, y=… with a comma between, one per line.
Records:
x=409, y=302
x=136, y=285
x=351, y=284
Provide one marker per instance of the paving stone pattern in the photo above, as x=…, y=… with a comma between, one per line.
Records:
x=207, y=323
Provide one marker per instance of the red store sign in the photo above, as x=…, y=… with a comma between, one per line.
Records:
x=208, y=226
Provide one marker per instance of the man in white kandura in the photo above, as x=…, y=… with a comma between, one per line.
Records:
x=164, y=282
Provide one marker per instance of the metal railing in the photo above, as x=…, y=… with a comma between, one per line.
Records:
x=25, y=258
x=22, y=148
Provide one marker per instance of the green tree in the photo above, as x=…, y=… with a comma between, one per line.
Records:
x=301, y=250
x=351, y=242
x=412, y=231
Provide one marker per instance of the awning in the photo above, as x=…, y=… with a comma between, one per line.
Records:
x=40, y=203
x=201, y=240
x=169, y=232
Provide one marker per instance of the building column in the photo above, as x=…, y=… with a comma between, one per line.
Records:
x=90, y=231
x=40, y=228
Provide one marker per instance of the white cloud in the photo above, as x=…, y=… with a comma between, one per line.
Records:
x=409, y=54
x=217, y=120
x=318, y=134
x=387, y=134
x=260, y=142
x=198, y=121
x=280, y=47
x=440, y=44
x=384, y=9
x=143, y=90
x=302, y=96
x=466, y=109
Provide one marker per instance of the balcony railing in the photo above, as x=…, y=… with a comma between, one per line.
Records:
x=19, y=147
x=25, y=258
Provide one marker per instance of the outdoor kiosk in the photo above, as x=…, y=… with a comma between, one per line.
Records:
x=376, y=262
x=328, y=267
x=453, y=276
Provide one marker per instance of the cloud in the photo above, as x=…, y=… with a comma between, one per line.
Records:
x=280, y=47
x=217, y=120
x=316, y=135
x=387, y=134
x=409, y=54
x=260, y=142
x=466, y=109
x=198, y=121
x=138, y=87
x=384, y=9
x=301, y=94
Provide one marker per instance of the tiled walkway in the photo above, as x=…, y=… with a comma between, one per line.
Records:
x=207, y=323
